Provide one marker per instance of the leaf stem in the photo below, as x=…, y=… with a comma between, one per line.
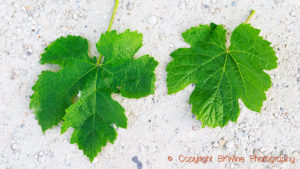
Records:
x=250, y=16
x=109, y=26
x=99, y=59
x=113, y=15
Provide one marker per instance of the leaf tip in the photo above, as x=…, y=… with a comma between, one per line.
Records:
x=91, y=158
x=213, y=26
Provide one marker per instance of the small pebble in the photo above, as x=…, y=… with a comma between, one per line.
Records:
x=222, y=142
x=195, y=127
x=75, y=16
x=95, y=160
x=241, y=134
x=258, y=145
x=258, y=153
x=13, y=146
x=214, y=144
x=230, y=146
x=282, y=153
x=28, y=8
x=233, y=4
x=129, y=6
x=181, y=5
x=139, y=164
x=28, y=53
x=212, y=10
x=285, y=85
x=51, y=155
x=152, y=20
x=41, y=157
x=292, y=14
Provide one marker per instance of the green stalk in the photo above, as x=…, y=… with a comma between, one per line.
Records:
x=99, y=59
x=109, y=26
x=113, y=15
x=250, y=16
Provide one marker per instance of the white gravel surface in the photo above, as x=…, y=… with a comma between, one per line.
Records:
x=159, y=125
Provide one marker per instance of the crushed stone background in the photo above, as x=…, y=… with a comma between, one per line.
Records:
x=159, y=125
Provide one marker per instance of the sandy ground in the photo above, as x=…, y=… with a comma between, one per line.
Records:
x=159, y=125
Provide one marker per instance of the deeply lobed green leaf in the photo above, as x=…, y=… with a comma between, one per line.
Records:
x=222, y=75
x=95, y=115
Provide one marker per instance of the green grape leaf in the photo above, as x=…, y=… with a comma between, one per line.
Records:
x=95, y=115
x=222, y=74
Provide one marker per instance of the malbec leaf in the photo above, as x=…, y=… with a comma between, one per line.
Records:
x=94, y=115
x=222, y=75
